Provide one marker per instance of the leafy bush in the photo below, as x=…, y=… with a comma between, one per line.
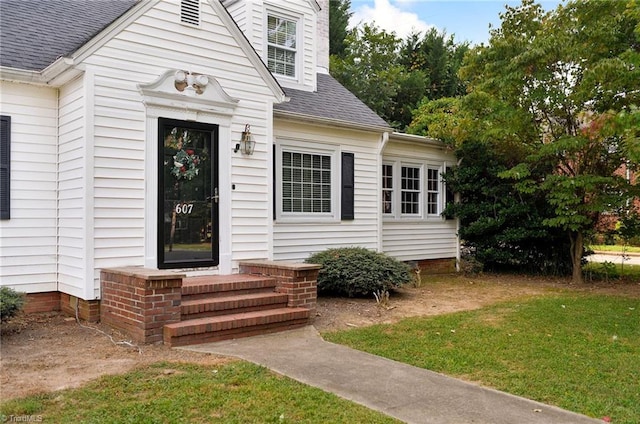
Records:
x=356, y=271
x=11, y=302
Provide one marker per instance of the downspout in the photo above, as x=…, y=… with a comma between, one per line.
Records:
x=384, y=139
x=57, y=213
x=456, y=198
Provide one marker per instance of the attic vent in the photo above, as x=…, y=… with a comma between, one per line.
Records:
x=190, y=12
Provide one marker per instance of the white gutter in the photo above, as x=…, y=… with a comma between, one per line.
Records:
x=298, y=117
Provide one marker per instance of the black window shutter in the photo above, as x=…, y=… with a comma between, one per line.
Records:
x=348, y=184
x=5, y=164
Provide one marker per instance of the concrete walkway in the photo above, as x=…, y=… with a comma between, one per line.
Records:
x=411, y=394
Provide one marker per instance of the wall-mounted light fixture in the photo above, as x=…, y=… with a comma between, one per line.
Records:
x=247, y=144
x=189, y=83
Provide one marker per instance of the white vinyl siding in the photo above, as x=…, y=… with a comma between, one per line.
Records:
x=73, y=159
x=426, y=236
x=153, y=44
x=296, y=240
x=28, y=239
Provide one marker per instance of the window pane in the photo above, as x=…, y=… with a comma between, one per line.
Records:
x=433, y=191
x=310, y=190
x=281, y=40
x=410, y=190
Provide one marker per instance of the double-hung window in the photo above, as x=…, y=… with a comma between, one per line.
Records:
x=313, y=182
x=410, y=190
x=433, y=190
x=282, y=35
x=387, y=189
x=306, y=183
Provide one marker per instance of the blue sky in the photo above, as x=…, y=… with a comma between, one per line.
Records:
x=468, y=19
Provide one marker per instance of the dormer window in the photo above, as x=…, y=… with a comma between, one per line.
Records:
x=282, y=35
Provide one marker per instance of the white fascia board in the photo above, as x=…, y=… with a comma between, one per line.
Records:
x=301, y=117
x=315, y=5
x=21, y=75
x=251, y=53
x=417, y=139
x=55, y=75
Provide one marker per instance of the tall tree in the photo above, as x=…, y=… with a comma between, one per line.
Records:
x=439, y=57
x=339, y=16
x=567, y=83
x=370, y=68
x=503, y=228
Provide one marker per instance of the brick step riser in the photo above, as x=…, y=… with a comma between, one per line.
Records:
x=235, y=333
x=221, y=294
x=189, y=313
x=228, y=322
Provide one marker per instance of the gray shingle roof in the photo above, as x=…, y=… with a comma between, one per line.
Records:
x=331, y=101
x=34, y=33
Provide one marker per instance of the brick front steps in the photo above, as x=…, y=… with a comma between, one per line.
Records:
x=154, y=306
x=223, y=307
x=204, y=330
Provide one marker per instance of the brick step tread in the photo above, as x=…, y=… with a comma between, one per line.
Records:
x=235, y=333
x=228, y=303
x=226, y=284
x=234, y=321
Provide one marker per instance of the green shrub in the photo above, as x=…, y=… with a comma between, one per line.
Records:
x=11, y=302
x=356, y=271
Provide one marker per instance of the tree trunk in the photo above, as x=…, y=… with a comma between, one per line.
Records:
x=577, y=246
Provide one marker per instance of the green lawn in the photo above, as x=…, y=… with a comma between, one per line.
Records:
x=579, y=352
x=615, y=248
x=608, y=271
x=186, y=393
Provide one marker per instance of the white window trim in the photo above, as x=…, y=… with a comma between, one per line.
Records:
x=440, y=187
x=299, y=146
x=393, y=190
x=271, y=10
x=421, y=192
x=396, y=207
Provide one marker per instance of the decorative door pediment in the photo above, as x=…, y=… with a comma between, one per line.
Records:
x=187, y=91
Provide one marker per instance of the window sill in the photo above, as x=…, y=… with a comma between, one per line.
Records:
x=307, y=219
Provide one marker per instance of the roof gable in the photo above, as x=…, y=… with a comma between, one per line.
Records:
x=78, y=28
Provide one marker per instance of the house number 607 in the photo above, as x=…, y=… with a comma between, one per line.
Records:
x=185, y=208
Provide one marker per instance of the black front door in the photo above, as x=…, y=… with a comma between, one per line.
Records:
x=187, y=194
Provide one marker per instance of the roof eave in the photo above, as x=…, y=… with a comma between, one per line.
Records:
x=57, y=74
x=412, y=138
x=301, y=117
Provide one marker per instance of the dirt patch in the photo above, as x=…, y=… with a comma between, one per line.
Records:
x=45, y=352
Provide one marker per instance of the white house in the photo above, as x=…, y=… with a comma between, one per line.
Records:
x=126, y=130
